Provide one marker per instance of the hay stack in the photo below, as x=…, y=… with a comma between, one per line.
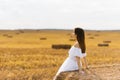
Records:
x=74, y=75
x=106, y=41
x=61, y=46
x=103, y=44
x=43, y=38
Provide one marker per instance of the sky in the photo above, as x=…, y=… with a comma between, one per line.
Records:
x=60, y=14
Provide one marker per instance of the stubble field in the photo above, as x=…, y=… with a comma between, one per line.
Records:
x=27, y=54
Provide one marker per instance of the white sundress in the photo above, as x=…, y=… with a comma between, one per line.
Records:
x=71, y=63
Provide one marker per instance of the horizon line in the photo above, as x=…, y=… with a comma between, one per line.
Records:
x=62, y=29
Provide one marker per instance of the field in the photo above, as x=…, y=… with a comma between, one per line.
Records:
x=27, y=54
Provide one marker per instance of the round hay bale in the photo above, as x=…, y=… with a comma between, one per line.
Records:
x=106, y=41
x=96, y=35
x=71, y=39
x=10, y=36
x=91, y=37
x=43, y=38
x=98, y=31
x=75, y=75
x=88, y=34
x=21, y=31
x=5, y=34
x=17, y=33
x=103, y=44
x=37, y=30
x=61, y=46
x=69, y=34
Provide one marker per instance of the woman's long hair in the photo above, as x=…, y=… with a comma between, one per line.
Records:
x=80, y=38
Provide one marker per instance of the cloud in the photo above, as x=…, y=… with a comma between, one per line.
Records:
x=59, y=13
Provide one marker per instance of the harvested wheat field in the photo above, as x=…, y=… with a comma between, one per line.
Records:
x=29, y=55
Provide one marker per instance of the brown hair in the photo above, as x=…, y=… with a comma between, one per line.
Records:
x=80, y=38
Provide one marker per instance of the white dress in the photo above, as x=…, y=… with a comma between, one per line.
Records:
x=71, y=63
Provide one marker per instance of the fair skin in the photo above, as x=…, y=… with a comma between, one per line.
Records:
x=78, y=58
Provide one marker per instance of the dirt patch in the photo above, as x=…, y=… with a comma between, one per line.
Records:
x=108, y=72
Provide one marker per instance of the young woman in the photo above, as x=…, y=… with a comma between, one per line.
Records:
x=76, y=52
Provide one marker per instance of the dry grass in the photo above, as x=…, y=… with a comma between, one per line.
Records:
x=26, y=57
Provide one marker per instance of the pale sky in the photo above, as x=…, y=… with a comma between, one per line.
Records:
x=59, y=14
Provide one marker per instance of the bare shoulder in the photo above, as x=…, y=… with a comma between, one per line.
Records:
x=76, y=44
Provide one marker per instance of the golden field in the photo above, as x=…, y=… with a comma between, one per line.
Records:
x=23, y=56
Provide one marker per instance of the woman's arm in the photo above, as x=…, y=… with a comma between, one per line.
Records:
x=85, y=62
x=79, y=64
